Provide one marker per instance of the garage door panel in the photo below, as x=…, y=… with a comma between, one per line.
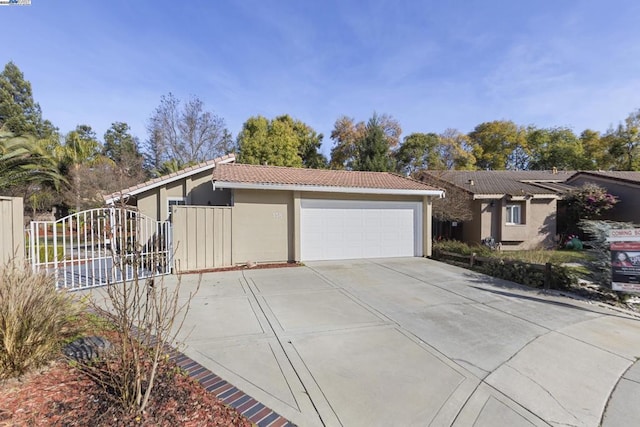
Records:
x=335, y=229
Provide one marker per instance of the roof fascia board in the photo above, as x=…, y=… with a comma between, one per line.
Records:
x=326, y=189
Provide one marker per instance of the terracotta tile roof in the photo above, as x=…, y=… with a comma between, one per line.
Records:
x=629, y=176
x=276, y=175
x=513, y=183
x=157, y=182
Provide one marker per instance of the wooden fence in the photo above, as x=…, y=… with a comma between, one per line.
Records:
x=201, y=238
x=474, y=260
x=11, y=230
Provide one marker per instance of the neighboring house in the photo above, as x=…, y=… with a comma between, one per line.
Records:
x=278, y=214
x=622, y=184
x=515, y=208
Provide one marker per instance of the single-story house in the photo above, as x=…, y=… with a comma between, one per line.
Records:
x=251, y=213
x=514, y=208
x=623, y=184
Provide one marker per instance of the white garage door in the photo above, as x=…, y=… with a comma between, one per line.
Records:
x=340, y=229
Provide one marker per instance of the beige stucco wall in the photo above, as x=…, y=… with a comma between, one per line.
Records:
x=197, y=189
x=262, y=227
x=628, y=208
x=472, y=230
x=538, y=228
x=148, y=204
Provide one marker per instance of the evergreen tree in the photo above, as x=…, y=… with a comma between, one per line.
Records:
x=19, y=113
x=373, y=149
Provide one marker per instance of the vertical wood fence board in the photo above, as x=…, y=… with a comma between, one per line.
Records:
x=202, y=237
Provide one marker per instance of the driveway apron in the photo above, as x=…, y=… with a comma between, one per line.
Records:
x=409, y=341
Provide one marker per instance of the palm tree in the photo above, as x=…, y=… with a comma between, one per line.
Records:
x=23, y=160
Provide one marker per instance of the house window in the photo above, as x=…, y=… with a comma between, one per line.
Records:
x=514, y=214
x=174, y=201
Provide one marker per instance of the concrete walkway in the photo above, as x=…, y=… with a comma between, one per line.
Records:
x=413, y=342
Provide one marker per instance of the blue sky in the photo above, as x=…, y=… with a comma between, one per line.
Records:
x=430, y=64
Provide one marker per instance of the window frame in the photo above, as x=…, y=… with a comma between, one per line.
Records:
x=511, y=209
x=174, y=199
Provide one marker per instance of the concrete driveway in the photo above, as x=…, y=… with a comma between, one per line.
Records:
x=413, y=342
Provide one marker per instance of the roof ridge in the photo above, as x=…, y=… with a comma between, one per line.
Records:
x=237, y=164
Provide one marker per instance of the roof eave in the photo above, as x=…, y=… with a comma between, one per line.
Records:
x=114, y=197
x=487, y=196
x=513, y=197
x=593, y=174
x=325, y=189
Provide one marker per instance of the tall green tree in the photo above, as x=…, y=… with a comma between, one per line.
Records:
x=373, y=150
x=624, y=143
x=124, y=150
x=455, y=150
x=272, y=142
x=419, y=151
x=595, y=149
x=347, y=135
x=19, y=113
x=499, y=145
x=309, y=143
x=119, y=143
x=283, y=141
x=555, y=148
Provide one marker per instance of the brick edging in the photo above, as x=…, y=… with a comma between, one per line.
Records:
x=249, y=407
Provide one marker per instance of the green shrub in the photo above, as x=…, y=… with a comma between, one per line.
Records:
x=528, y=274
x=46, y=254
x=35, y=319
x=461, y=248
x=516, y=265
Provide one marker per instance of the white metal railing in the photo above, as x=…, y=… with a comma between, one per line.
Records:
x=100, y=246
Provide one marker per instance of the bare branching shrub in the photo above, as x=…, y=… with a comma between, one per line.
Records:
x=147, y=315
x=35, y=319
x=457, y=203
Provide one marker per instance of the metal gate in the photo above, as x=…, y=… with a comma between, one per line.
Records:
x=99, y=247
